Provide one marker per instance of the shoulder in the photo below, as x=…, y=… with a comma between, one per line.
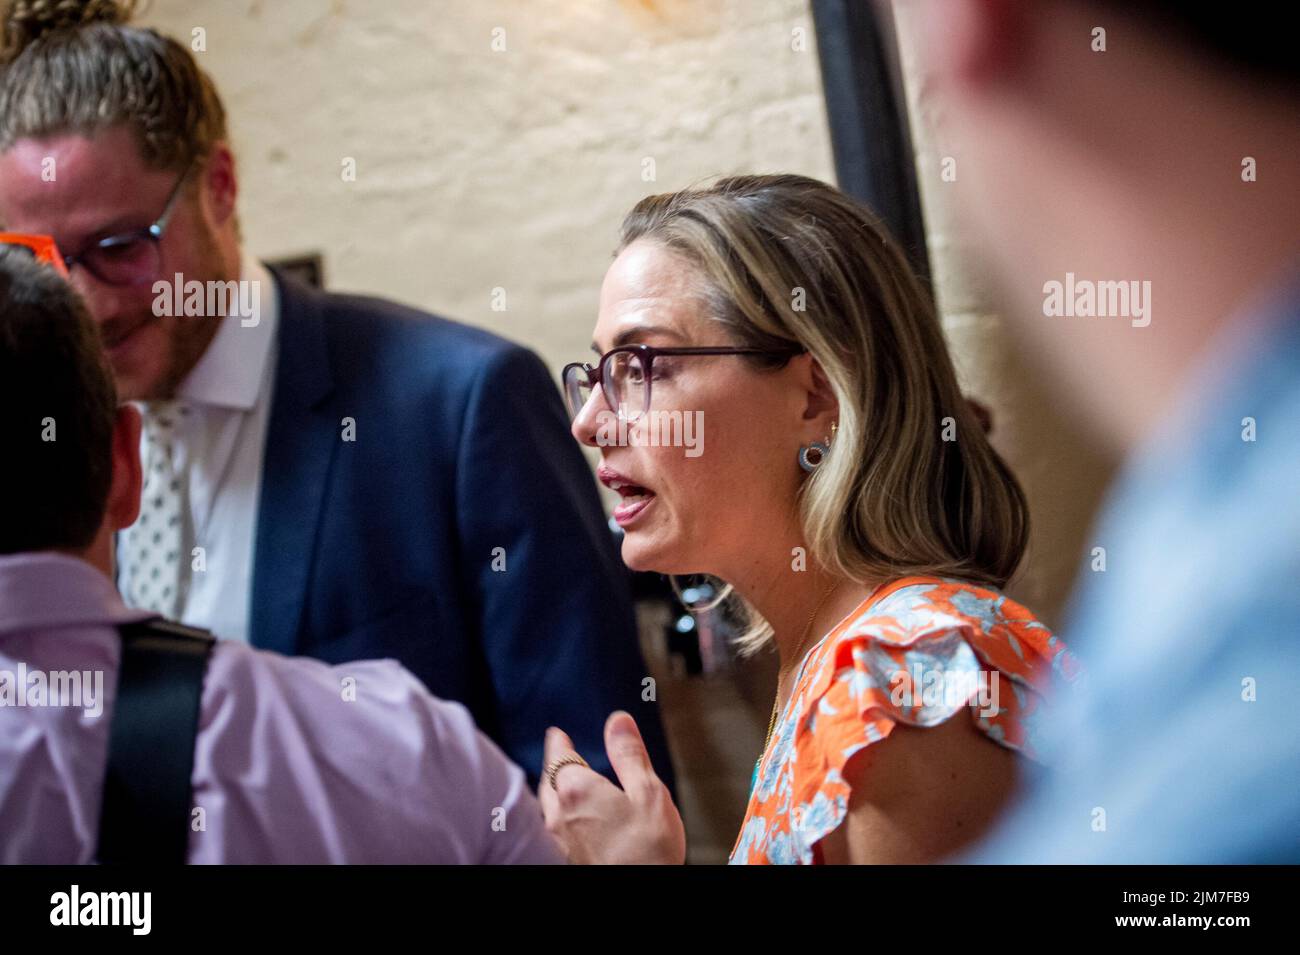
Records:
x=921, y=617
x=356, y=762
x=923, y=651
x=373, y=711
x=355, y=315
x=917, y=653
x=912, y=605
x=324, y=692
x=362, y=328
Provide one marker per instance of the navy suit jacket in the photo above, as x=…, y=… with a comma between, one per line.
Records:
x=459, y=533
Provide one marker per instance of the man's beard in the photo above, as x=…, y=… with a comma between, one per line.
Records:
x=189, y=336
x=187, y=342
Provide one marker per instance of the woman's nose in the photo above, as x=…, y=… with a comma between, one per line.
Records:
x=584, y=423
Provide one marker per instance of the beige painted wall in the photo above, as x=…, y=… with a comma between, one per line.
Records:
x=480, y=169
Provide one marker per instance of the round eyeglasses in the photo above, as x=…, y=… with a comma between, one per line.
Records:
x=130, y=259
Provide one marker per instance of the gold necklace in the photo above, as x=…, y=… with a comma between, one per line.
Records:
x=807, y=631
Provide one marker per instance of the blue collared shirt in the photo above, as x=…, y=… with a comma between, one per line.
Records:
x=1183, y=744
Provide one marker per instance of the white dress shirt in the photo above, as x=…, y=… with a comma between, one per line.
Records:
x=220, y=445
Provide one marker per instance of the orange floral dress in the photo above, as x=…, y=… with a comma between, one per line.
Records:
x=916, y=651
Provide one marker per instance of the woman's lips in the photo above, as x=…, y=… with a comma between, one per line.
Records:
x=636, y=497
x=631, y=509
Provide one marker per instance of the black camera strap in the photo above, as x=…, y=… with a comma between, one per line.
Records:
x=145, y=814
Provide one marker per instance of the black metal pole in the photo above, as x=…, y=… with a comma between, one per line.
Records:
x=867, y=111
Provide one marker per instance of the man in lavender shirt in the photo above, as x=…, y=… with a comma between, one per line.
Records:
x=295, y=760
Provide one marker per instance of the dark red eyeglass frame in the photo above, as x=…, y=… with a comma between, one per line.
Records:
x=596, y=376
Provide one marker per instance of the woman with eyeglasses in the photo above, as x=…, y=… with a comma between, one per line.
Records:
x=849, y=500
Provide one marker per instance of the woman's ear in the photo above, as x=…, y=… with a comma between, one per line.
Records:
x=819, y=398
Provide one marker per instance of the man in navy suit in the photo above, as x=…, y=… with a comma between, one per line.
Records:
x=325, y=475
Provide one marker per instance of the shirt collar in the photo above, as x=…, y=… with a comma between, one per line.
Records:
x=47, y=590
x=232, y=369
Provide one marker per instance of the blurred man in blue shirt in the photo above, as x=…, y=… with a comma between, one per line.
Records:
x=1131, y=173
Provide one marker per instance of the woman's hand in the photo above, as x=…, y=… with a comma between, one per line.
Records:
x=599, y=823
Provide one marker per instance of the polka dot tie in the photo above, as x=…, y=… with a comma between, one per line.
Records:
x=157, y=551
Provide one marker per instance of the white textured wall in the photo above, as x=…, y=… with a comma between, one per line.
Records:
x=479, y=169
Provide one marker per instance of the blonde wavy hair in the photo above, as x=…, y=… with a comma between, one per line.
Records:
x=893, y=498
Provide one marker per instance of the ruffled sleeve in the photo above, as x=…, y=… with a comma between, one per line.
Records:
x=919, y=663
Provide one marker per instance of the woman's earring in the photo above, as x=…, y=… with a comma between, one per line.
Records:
x=812, y=455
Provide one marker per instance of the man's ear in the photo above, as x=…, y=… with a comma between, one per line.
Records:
x=220, y=187
x=128, y=475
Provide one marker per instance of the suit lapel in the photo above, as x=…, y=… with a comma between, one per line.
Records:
x=301, y=439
